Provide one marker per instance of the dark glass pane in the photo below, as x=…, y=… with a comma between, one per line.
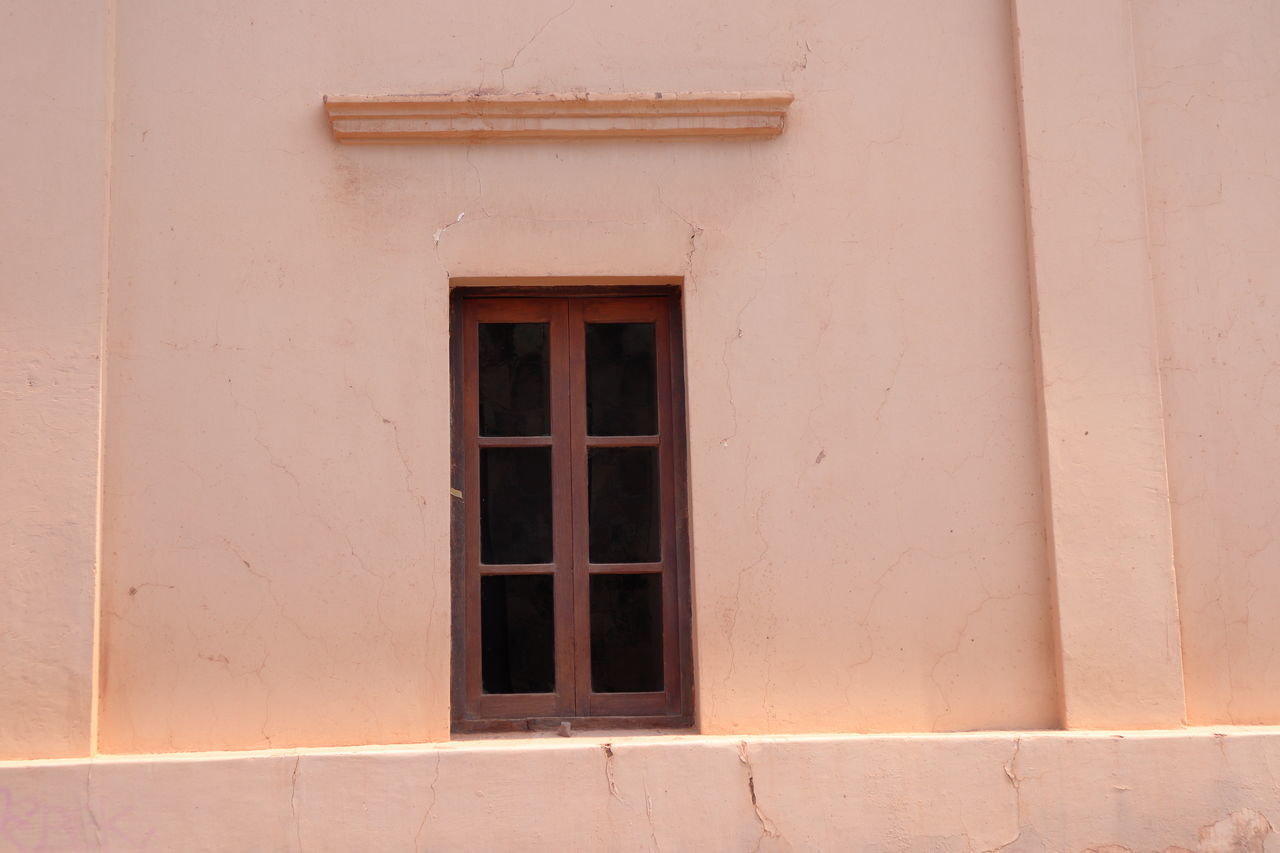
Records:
x=517, y=634
x=622, y=396
x=514, y=383
x=515, y=505
x=624, y=518
x=626, y=633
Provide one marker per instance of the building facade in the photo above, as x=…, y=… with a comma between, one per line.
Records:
x=963, y=433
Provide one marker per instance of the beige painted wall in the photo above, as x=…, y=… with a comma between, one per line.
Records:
x=868, y=550
x=1210, y=101
x=54, y=73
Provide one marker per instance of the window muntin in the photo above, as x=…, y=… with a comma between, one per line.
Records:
x=572, y=587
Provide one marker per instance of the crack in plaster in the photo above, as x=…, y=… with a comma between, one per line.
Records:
x=133, y=590
x=767, y=828
x=266, y=708
x=1016, y=781
x=724, y=363
x=417, y=836
x=737, y=593
x=1246, y=559
x=257, y=437
x=954, y=470
x=866, y=617
x=695, y=231
x=888, y=389
x=296, y=484
x=419, y=501
x=268, y=586
x=803, y=62
x=1271, y=771
x=479, y=186
x=440, y=232
x=955, y=649
x=502, y=73
x=607, y=748
x=823, y=325
x=269, y=589
x=648, y=813
x=293, y=801
x=88, y=802
x=418, y=498
x=343, y=534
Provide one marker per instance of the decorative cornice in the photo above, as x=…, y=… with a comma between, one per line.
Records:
x=417, y=119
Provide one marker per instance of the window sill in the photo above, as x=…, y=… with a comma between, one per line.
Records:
x=551, y=726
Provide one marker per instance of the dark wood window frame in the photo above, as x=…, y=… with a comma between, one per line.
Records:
x=566, y=311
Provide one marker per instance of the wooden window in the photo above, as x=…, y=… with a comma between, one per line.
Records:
x=571, y=588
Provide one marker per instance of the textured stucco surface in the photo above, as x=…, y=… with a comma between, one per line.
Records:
x=867, y=541
x=53, y=70
x=1209, y=81
x=1196, y=791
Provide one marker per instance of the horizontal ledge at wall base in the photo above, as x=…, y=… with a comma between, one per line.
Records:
x=426, y=119
x=1207, y=790
x=653, y=739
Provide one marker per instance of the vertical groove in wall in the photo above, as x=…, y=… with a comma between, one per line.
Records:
x=1156, y=337
x=1046, y=484
x=108, y=142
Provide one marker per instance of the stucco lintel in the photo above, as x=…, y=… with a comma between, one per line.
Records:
x=418, y=119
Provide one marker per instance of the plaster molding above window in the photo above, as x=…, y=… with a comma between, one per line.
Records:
x=419, y=119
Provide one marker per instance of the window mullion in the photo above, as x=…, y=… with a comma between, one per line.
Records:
x=561, y=435
x=578, y=464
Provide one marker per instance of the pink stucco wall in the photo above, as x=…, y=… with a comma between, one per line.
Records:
x=56, y=116
x=275, y=517
x=979, y=364
x=1208, y=87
